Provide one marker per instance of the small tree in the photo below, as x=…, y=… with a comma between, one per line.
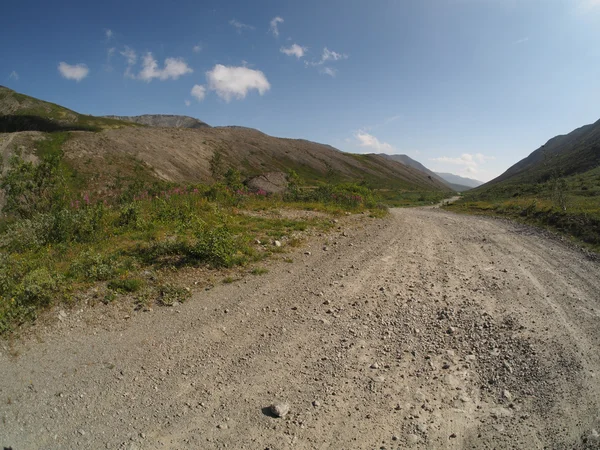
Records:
x=559, y=192
x=33, y=188
x=233, y=179
x=217, y=165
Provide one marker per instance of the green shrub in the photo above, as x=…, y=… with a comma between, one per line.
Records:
x=127, y=285
x=129, y=216
x=38, y=288
x=168, y=294
x=92, y=266
x=216, y=246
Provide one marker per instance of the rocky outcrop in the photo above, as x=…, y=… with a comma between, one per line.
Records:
x=271, y=183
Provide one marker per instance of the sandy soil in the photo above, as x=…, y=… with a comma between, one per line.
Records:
x=422, y=330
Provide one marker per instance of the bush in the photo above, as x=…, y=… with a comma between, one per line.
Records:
x=129, y=216
x=38, y=288
x=127, y=285
x=94, y=267
x=216, y=246
x=169, y=294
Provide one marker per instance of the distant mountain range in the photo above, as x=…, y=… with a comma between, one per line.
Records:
x=456, y=179
x=455, y=182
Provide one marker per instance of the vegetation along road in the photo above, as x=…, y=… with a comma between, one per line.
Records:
x=424, y=329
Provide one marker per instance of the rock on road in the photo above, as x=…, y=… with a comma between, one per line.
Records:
x=425, y=329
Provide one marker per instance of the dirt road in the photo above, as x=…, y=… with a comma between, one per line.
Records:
x=422, y=330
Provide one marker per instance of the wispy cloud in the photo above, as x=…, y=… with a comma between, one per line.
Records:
x=521, y=41
x=75, y=72
x=274, y=25
x=173, y=69
x=109, y=34
x=589, y=4
x=294, y=50
x=236, y=82
x=110, y=52
x=131, y=58
x=198, y=92
x=187, y=103
x=240, y=27
x=14, y=76
x=470, y=162
x=328, y=71
x=370, y=142
x=328, y=56
x=197, y=48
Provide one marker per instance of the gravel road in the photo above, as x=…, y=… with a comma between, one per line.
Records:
x=422, y=330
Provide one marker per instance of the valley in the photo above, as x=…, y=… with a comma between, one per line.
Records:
x=425, y=329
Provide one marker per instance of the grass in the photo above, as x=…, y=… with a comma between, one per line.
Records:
x=59, y=242
x=569, y=205
x=35, y=114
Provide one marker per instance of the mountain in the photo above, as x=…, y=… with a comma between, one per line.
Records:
x=19, y=112
x=183, y=155
x=564, y=155
x=121, y=151
x=163, y=120
x=456, y=179
x=407, y=160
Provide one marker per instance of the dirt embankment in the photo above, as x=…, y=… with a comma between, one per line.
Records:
x=422, y=330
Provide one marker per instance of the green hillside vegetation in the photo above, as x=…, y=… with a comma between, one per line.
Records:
x=97, y=209
x=557, y=186
x=19, y=112
x=59, y=241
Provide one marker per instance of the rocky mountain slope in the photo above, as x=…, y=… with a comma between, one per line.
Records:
x=183, y=155
x=178, y=149
x=163, y=120
x=407, y=160
x=565, y=155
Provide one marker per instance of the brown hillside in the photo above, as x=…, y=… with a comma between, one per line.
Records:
x=182, y=155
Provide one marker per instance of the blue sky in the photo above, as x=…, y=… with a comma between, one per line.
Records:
x=464, y=86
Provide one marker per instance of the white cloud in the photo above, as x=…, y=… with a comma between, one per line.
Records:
x=131, y=57
x=109, y=34
x=14, y=75
x=236, y=82
x=198, y=92
x=470, y=162
x=274, y=26
x=197, y=48
x=328, y=71
x=187, y=102
x=521, y=41
x=329, y=55
x=239, y=26
x=294, y=50
x=371, y=142
x=174, y=68
x=75, y=72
